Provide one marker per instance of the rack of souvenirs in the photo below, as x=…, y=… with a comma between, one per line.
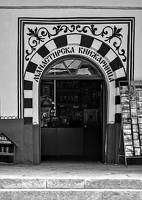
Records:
x=131, y=107
x=7, y=149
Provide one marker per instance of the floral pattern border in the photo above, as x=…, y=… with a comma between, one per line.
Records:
x=109, y=34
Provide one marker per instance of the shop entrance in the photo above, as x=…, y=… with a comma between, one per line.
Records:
x=72, y=112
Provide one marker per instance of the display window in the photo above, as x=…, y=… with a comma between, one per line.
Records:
x=70, y=103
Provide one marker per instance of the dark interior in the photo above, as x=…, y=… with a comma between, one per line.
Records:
x=71, y=119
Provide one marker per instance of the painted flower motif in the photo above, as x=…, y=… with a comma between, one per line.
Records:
x=115, y=33
x=109, y=33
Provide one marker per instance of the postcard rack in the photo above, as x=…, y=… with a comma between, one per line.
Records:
x=131, y=107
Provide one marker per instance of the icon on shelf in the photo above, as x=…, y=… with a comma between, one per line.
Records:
x=2, y=149
x=7, y=149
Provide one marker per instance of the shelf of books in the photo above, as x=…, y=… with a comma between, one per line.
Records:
x=131, y=106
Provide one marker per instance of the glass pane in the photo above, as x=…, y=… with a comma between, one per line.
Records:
x=69, y=62
x=87, y=70
x=58, y=69
x=74, y=66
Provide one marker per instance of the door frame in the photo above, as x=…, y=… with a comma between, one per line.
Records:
x=104, y=105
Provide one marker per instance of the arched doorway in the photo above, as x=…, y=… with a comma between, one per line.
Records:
x=73, y=110
x=97, y=52
x=75, y=44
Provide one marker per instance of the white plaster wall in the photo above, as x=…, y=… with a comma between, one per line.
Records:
x=9, y=35
x=130, y=3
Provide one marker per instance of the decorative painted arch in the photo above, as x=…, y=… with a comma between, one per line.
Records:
x=109, y=61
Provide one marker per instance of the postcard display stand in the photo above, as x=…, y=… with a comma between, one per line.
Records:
x=7, y=149
x=131, y=105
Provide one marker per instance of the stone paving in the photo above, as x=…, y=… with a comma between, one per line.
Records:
x=70, y=180
x=72, y=169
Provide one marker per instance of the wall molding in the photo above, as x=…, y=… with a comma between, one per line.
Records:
x=73, y=7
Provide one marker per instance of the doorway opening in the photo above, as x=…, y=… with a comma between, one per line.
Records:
x=72, y=110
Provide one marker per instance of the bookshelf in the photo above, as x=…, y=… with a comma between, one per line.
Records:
x=131, y=109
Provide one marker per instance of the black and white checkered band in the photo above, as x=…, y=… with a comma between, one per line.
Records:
x=81, y=40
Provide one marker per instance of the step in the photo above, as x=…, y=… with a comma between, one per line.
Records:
x=41, y=188
x=68, y=183
x=70, y=194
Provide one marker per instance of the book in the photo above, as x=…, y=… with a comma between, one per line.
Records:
x=125, y=115
x=136, y=143
x=124, y=94
x=133, y=98
x=133, y=112
x=125, y=106
x=125, y=99
x=138, y=87
x=139, y=104
x=128, y=137
x=124, y=88
x=129, y=150
x=138, y=98
x=137, y=151
x=140, y=132
x=140, y=128
x=139, y=112
x=127, y=111
x=128, y=143
x=139, y=93
x=140, y=120
x=135, y=136
x=126, y=120
x=140, y=137
x=133, y=104
x=127, y=132
x=126, y=126
x=128, y=154
x=134, y=120
x=135, y=127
